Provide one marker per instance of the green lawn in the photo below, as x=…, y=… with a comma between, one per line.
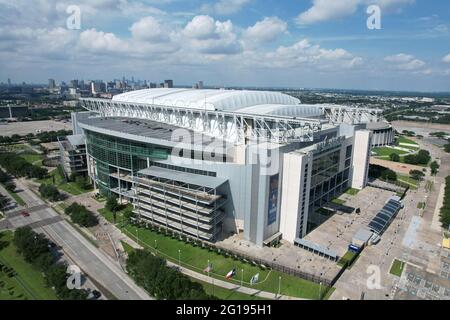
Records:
x=29, y=283
x=403, y=140
x=352, y=192
x=69, y=187
x=397, y=268
x=338, y=201
x=414, y=184
x=33, y=158
x=225, y=294
x=348, y=256
x=385, y=152
x=196, y=258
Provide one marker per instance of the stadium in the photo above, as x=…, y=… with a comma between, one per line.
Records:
x=209, y=164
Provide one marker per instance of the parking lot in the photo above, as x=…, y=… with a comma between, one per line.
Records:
x=23, y=128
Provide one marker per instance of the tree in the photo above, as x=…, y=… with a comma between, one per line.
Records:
x=394, y=157
x=81, y=215
x=10, y=186
x=434, y=168
x=416, y=175
x=82, y=182
x=112, y=204
x=50, y=192
x=388, y=175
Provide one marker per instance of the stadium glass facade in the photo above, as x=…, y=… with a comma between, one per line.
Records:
x=115, y=158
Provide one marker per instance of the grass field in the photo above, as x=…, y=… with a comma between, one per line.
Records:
x=397, y=268
x=352, y=192
x=414, y=184
x=69, y=187
x=385, y=152
x=33, y=158
x=404, y=140
x=196, y=258
x=338, y=201
x=28, y=284
x=221, y=293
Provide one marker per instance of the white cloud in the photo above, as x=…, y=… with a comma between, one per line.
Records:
x=149, y=29
x=224, y=7
x=266, y=30
x=102, y=42
x=405, y=62
x=446, y=59
x=306, y=55
x=325, y=10
x=205, y=35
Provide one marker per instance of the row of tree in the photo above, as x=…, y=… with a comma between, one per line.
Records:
x=36, y=250
x=445, y=210
x=161, y=281
x=47, y=136
x=6, y=181
x=19, y=167
x=81, y=216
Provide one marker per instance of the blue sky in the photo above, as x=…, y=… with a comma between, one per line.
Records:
x=289, y=43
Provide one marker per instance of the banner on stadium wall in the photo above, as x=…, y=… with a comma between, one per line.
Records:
x=273, y=199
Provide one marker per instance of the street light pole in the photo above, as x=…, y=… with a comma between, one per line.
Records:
x=179, y=257
x=320, y=291
x=242, y=277
x=137, y=235
x=279, y=286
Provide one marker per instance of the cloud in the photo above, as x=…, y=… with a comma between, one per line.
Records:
x=266, y=30
x=224, y=7
x=446, y=59
x=206, y=35
x=149, y=29
x=303, y=54
x=405, y=62
x=102, y=42
x=326, y=10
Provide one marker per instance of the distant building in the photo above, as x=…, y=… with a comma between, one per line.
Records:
x=168, y=83
x=51, y=84
x=198, y=85
x=98, y=87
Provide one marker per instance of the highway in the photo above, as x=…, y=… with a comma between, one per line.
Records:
x=90, y=259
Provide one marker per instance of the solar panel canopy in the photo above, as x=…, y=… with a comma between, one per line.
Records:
x=382, y=220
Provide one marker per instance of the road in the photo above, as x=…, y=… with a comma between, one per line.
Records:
x=91, y=260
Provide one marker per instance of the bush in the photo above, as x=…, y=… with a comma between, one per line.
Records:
x=417, y=175
x=81, y=216
x=394, y=157
x=50, y=192
x=434, y=168
x=10, y=186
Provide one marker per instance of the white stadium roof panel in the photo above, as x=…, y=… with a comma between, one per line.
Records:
x=223, y=100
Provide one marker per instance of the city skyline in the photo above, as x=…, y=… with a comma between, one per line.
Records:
x=310, y=44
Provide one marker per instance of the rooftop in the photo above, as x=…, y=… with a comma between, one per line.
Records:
x=209, y=99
